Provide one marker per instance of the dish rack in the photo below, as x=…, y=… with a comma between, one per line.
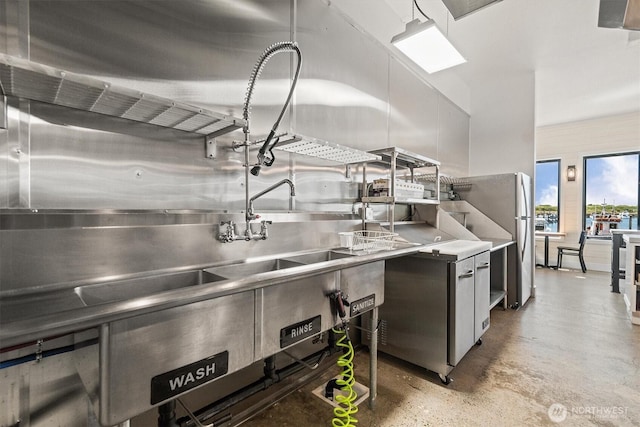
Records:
x=369, y=240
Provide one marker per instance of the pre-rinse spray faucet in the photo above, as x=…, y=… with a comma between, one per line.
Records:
x=266, y=157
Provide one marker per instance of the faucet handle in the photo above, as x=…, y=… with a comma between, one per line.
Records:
x=264, y=231
x=229, y=234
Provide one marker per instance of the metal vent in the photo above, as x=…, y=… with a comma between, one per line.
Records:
x=462, y=8
x=29, y=80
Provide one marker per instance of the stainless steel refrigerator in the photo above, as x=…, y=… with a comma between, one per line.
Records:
x=507, y=199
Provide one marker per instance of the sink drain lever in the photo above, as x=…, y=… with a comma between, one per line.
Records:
x=340, y=301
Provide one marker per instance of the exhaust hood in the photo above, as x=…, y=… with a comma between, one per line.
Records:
x=462, y=8
x=623, y=14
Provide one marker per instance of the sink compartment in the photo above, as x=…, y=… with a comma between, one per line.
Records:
x=303, y=302
x=123, y=290
x=244, y=269
x=134, y=353
x=320, y=256
x=363, y=285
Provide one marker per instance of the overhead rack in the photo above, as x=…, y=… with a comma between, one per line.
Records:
x=38, y=82
x=321, y=149
x=398, y=158
x=455, y=183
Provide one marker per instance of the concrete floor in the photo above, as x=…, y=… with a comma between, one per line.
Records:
x=572, y=346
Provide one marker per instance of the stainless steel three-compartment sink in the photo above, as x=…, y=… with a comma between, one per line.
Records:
x=256, y=308
x=122, y=290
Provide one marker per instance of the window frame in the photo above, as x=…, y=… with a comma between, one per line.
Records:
x=558, y=180
x=585, y=159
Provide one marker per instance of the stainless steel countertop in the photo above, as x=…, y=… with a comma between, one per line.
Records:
x=458, y=249
x=497, y=244
x=38, y=316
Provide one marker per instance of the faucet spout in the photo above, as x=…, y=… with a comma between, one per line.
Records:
x=292, y=193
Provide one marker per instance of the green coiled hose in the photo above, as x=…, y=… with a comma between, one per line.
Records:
x=343, y=413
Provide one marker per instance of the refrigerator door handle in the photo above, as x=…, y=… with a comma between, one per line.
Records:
x=525, y=218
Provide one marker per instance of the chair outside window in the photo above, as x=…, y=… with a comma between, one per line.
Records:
x=573, y=251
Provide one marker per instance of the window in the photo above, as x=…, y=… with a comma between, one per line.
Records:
x=611, y=192
x=547, y=196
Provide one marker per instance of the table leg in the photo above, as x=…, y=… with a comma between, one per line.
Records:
x=373, y=359
x=546, y=251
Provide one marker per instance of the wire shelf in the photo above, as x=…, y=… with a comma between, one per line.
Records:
x=321, y=149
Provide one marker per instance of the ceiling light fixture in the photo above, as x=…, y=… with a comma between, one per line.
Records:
x=427, y=46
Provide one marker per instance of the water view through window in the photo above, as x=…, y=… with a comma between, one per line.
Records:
x=547, y=197
x=611, y=190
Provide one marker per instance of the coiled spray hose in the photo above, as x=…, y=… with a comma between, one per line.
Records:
x=343, y=413
x=275, y=48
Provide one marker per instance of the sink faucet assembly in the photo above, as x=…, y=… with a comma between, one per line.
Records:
x=250, y=214
x=228, y=229
x=265, y=153
x=228, y=232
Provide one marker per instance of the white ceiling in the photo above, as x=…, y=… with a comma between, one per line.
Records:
x=581, y=71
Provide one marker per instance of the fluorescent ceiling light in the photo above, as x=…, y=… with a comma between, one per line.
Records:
x=425, y=45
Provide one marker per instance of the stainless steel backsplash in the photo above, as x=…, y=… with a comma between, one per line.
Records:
x=351, y=92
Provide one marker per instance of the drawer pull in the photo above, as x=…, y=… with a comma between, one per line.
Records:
x=467, y=274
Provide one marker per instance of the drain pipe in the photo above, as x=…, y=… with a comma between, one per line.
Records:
x=270, y=373
x=167, y=414
x=271, y=377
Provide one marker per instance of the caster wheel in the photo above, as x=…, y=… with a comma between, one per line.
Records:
x=479, y=342
x=445, y=379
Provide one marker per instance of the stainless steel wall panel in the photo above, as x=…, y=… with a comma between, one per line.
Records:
x=322, y=186
x=5, y=177
x=156, y=40
x=80, y=168
x=193, y=51
x=14, y=31
x=343, y=93
x=61, y=257
x=453, y=139
x=413, y=112
x=17, y=146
